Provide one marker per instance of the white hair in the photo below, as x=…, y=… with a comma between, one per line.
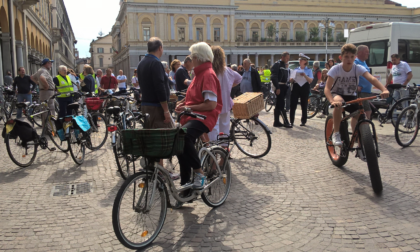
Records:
x=165, y=64
x=247, y=60
x=202, y=52
x=234, y=67
x=62, y=67
x=316, y=64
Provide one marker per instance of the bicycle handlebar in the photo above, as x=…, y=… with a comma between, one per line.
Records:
x=188, y=112
x=345, y=104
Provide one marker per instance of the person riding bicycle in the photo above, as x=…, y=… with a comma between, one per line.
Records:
x=204, y=97
x=342, y=86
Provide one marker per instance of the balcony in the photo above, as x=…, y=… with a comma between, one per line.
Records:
x=25, y=4
x=290, y=43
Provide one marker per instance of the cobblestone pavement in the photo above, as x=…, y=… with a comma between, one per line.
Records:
x=293, y=199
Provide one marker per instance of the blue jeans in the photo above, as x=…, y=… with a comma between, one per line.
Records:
x=22, y=98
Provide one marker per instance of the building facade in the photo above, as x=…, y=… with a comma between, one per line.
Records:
x=258, y=29
x=29, y=33
x=101, y=53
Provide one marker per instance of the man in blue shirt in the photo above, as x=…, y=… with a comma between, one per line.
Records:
x=365, y=88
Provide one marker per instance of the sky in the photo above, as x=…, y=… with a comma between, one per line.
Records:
x=100, y=15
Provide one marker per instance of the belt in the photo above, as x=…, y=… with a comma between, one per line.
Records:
x=46, y=90
x=282, y=83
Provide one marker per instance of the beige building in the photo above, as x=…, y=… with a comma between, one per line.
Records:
x=101, y=53
x=258, y=29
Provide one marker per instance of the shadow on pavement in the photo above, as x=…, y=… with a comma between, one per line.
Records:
x=61, y=176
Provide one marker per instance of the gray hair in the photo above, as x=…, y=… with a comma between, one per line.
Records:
x=62, y=67
x=202, y=52
x=248, y=60
x=361, y=48
x=234, y=67
x=165, y=64
x=316, y=64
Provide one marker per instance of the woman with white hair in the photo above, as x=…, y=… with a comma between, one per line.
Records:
x=63, y=85
x=203, y=97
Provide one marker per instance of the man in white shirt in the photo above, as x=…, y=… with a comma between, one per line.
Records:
x=122, y=79
x=400, y=74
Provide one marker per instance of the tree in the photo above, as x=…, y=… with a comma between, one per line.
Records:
x=271, y=31
x=314, y=34
x=300, y=36
x=330, y=37
x=255, y=37
x=340, y=37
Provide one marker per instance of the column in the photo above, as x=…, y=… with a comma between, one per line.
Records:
x=25, y=43
x=262, y=29
x=232, y=28
x=241, y=60
x=256, y=59
x=225, y=29
x=306, y=30
x=291, y=29
x=19, y=53
x=7, y=56
x=12, y=35
x=317, y=56
x=272, y=60
x=190, y=27
x=247, y=30
x=277, y=29
x=331, y=56
x=319, y=34
x=208, y=28
x=172, y=28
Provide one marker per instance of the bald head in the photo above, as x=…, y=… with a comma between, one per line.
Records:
x=362, y=52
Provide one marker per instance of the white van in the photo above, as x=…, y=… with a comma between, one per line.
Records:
x=388, y=38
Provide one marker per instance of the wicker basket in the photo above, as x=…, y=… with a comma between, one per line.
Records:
x=247, y=105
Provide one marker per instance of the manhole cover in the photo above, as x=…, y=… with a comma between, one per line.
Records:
x=72, y=189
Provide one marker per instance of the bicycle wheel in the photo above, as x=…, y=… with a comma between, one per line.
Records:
x=98, y=138
x=407, y=127
x=134, y=225
x=217, y=193
x=270, y=102
x=368, y=146
x=21, y=155
x=77, y=148
x=37, y=118
x=313, y=105
x=338, y=155
x=125, y=163
x=52, y=132
x=251, y=137
x=397, y=108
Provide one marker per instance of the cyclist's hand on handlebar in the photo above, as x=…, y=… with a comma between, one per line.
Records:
x=336, y=104
x=385, y=94
x=179, y=108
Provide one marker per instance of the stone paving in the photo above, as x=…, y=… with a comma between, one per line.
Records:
x=293, y=199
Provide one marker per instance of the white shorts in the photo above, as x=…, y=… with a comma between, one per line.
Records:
x=222, y=125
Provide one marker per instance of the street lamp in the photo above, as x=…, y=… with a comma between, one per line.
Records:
x=326, y=23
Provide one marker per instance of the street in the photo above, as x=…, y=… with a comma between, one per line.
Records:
x=293, y=199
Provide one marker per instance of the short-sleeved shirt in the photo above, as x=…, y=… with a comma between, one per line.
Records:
x=345, y=83
x=180, y=76
x=24, y=85
x=308, y=73
x=44, y=72
x=365, y=84
x=108, y=82
x=135, y=80
x=399, y=72
x=122, y=84
x=246, y=83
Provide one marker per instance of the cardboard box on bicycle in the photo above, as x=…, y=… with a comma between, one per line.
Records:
x=247, y=105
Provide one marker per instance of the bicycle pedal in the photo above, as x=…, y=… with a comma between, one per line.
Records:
x=52, y=149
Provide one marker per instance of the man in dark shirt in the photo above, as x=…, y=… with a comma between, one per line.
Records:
x=154, y=86
x=24, y=90
x=182, y=78
x=280, y=77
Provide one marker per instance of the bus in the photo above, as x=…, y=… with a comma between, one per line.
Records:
x=385, y=39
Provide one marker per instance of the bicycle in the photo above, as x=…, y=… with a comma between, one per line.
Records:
x=144, y=196
x=23, y=151
x=407, y=124
x=270, y=100
x=363, y=134
x=317, y=102
x=251, y=136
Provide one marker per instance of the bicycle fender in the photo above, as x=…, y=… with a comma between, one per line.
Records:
x=264, y=125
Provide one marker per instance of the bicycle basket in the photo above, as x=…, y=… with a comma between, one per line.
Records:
x=94, y=103
x=154, y=143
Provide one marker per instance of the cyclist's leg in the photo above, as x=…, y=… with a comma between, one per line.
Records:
x=337, y=113
x=366, y=105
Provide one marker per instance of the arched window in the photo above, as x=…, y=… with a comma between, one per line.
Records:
x=300, y=33
x=240, y=30
x=199, y=29
x=284, y=31
x=255, y=31
x=181, y=24
x=217, y=27
x=146, y=25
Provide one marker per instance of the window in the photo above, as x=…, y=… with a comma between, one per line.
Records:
x=216, y=34
x=255, y=36
x=101, y=62
x=146, y=33
x=409, y=50
x=181, y=34
x=378, y=52
x=283, y=37
x=199, y=34
x=100, y=50
x=239, y=36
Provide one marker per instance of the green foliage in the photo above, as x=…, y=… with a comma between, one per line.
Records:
x=272, y=31
x=300, y=36
x=255, y=37
x=340, y=37
x=263, y=39
x=314, y=33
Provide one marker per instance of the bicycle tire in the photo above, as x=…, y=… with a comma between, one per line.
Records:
x=313, y=104
x=367, y=143
x=395, y=108
x=77, y=156
x=52, y=133
x=211, y=173
x=117, y=207
x=98, y=139
x=267, y=106
x=124, y=164
x=237, y=133
x=338, y=159
x=13, y=158
x=407, y=126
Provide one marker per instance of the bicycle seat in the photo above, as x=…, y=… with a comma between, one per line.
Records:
x=22, y=104
x=73, y=106
x=113, y=110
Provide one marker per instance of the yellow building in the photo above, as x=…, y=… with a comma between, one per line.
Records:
x=31, y=30
x=101, y=53
x=258, y=29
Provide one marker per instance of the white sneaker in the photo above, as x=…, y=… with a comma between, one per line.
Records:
x=199, y=181
x=361, y=155
x=336, y=139
x=320, y=116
